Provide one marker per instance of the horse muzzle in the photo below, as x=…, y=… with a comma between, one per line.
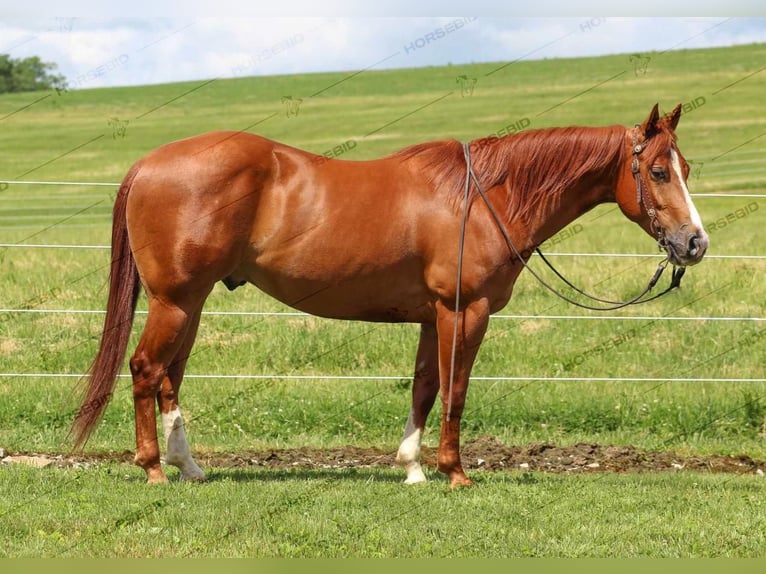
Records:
x=686, y=249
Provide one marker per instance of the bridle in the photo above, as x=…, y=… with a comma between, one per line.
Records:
x=644, y=200
x=642, y=197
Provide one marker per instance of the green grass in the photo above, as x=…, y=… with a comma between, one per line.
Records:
x=108, y=511
x=721, y=138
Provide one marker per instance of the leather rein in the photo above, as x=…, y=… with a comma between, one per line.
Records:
x=643, y=198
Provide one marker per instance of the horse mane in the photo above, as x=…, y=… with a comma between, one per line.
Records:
x=536, y=166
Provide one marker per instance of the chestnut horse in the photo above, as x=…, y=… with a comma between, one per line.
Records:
x=376, y=240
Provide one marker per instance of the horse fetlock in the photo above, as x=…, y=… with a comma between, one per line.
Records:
x=448, y=462
x=156, y=478
x=450, y=465
x=154, y=474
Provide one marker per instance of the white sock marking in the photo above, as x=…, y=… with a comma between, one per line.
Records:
x=178, y=452
x=408, y=454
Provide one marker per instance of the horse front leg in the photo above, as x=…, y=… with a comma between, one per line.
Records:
x=425, y=387
x=471, y=326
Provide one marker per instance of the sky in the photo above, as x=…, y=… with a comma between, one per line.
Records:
x=99, y=50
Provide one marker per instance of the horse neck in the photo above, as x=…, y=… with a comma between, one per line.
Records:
x=556, y=175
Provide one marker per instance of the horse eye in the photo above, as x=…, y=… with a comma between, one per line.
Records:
x=659, y=173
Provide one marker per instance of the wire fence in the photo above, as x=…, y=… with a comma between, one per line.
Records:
x=287, y=377
x=496, y=317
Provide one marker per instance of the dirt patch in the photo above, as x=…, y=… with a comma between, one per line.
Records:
x=483, y=453
x=489, y=453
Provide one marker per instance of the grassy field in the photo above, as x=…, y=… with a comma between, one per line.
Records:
x=95, y=135
x=369, y=513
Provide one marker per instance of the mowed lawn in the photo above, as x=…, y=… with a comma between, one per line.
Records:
x=684, y=373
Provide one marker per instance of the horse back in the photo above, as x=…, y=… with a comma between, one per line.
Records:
x=333, y=237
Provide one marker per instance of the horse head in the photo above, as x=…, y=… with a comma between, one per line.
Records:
x=652, y=189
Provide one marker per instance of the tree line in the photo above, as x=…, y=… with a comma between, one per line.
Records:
x=28, y=75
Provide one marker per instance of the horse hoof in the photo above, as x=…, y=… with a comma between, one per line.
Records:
x=194, y=477
x=416, y=478
x=414, y=473
x=458, y=481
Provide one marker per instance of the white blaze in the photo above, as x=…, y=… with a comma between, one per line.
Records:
x=693, y=214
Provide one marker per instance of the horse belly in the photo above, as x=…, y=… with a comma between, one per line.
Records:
x=338, y=289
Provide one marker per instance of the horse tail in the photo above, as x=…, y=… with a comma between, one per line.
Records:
x=124, y=287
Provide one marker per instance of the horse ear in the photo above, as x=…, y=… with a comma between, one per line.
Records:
x=674, y=116
x=649, y=127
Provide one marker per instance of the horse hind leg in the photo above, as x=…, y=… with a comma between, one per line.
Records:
x=425, y=387
x=164, y=334
x=177, y=451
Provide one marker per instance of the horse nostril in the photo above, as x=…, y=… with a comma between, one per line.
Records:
x=694, y=245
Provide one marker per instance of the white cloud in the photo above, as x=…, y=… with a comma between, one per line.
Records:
x=132, y=51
